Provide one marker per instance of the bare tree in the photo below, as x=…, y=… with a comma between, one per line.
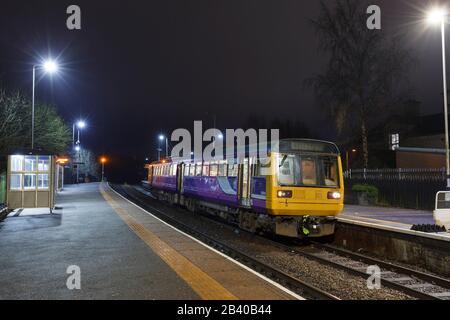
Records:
x=363, y=70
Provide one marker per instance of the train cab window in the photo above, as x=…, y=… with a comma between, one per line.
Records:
x=198, y=169
x=330, y=171
x=213, y=170
x=205, y=171
x=286, y=173
x=309, y=172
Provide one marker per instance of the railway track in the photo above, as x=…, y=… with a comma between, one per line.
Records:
x=415, y=283
x=301, y=287
x=411, y=282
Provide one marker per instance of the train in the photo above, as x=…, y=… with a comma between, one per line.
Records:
x=297, y=195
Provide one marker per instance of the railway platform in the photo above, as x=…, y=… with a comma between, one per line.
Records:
x=117, y=251
x=391, y=219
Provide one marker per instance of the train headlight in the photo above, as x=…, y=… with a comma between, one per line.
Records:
x=334, y=195
x=284, y=194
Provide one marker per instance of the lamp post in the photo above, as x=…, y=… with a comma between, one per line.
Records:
x=161, y=138
x=346, y=159
x=80, y=125
x=48, y=66
x=77, y=149
x=103, y=161
x=435, y=16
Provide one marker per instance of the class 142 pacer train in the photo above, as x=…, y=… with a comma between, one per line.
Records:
x=298, y=193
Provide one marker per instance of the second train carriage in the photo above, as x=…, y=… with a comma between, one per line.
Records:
x=298, y=195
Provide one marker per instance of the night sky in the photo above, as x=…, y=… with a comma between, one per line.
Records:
x=138, y=68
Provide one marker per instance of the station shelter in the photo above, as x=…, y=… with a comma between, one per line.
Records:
x=31, y=180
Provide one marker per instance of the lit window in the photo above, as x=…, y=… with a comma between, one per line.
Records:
x=213, y=170
x=198, y=169
x=43, y=181
x=16, y=181
x=286, y=170
x=309, y=174
x=44, y=164
x=222, y=169
x=29, y=181
x=174, y=170
x=30, y=163
x=330, y=171
x=233, y=170
x=17, y=163
x=192, y=170
x=205, y=170
x=186, y=170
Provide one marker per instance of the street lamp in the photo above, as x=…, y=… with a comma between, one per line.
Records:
x=161, y=138
x=103, y=161
x=49, y=66
x=346, y=159
x=435, y=16
x=80, y=125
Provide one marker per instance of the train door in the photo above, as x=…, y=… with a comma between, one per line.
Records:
x=180, y=177
x=244, y=183
x=150, y=174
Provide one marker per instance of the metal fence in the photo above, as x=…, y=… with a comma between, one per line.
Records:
x=407, y=188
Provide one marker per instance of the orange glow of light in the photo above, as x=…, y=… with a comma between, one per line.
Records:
x=103, y=160
x=163, y=161
x=62, y=160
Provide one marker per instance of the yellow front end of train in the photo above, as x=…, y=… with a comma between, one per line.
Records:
x=305, y=190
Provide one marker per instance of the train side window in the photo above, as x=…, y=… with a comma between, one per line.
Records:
x=192, y=170
x=205, y=171
x=198, y=169
x=174, y=169
x=233, y=170
x=222, y=170
x=213, y=170
x=186, y=169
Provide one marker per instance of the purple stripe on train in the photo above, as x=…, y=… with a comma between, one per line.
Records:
x=213, y=189
x=221, y=190
x=168, y=183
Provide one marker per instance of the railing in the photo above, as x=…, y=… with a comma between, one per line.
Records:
x=408, y=188
x=396, y=174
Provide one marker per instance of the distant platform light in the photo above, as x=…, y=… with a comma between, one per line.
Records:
x=81, y=124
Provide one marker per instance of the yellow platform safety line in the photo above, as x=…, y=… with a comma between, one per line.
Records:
x=205, y=286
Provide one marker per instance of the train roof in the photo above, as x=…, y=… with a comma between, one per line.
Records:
x=292, y=145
